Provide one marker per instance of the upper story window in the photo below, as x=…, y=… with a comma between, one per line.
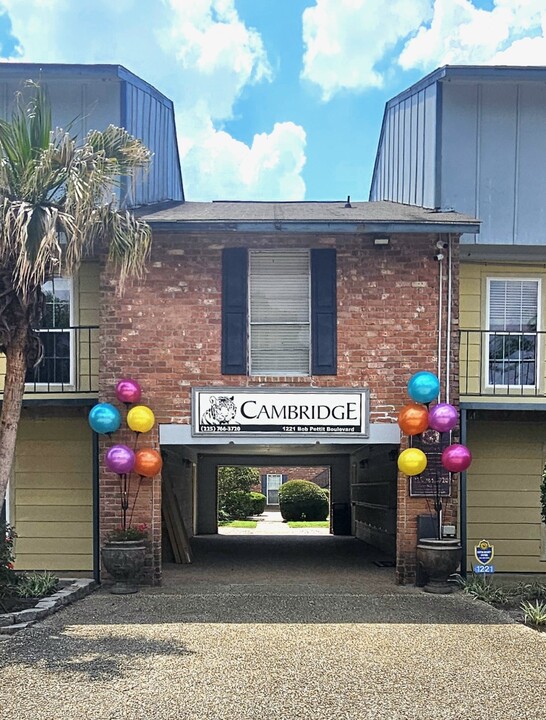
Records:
x=279, y=312
x=56, y=366
x=513, y=320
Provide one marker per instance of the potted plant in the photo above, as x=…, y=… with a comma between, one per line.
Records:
x=124, y=557
x=438, y=557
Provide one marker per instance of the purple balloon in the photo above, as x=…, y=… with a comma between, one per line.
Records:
x=128, y=391
x=456, y=458
x=120, y=459
x=443, y=417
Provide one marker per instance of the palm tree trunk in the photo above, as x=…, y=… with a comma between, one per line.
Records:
x=14, y=388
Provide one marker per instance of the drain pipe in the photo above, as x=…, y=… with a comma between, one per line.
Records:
x=448, y=327
x=96, y=524
x=440, y=311
x=462, y=499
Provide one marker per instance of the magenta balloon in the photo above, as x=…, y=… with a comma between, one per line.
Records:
x=443, y=417
x=456, y=458
x=128, y=391
x=120, y=459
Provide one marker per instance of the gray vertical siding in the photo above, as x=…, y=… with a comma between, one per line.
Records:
x=406, y=157
x=91, y=98
x=150, y=117
x=494, y=158
x=473, y=143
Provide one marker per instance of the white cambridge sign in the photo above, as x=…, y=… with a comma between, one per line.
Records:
x=267, y=412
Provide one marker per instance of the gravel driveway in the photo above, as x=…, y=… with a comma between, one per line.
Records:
x=280, y=629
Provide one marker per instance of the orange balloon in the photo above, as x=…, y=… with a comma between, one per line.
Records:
x=413, y=418
x=148, y=462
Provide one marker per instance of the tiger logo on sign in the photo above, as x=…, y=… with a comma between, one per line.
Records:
x=222, y=411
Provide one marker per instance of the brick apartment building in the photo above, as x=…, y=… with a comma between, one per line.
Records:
x=263, y=334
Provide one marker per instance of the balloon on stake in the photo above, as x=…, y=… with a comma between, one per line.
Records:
x=413, y=418
x=412, y=461
x=128, y=391
x=456, y=458
x=104, y=418
x=148, y=462
x=443, y=417
x=423, y=387
x=140, y=419
x=120, y=459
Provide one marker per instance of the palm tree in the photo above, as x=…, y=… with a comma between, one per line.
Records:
x=55, y=206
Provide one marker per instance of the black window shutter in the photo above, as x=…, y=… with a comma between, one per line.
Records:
x=284, y=479
x=323, y=312
x=234, y=311
x=263, y=479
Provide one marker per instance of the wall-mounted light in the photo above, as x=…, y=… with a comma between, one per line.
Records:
x=378, y=241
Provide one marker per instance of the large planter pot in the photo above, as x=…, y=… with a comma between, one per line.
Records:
x=438, y=560
x=124, y=561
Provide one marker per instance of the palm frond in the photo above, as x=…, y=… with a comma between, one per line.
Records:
x=50, y=184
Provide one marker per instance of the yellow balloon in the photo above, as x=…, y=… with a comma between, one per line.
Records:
x=412, y=461
x=140, y=419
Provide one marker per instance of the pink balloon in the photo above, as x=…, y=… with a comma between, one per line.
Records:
x=120, y=459
x=128, y=391
x=456, y=458
x=443, y=417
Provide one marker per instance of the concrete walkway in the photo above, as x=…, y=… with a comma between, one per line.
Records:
x=270, y=522
x=275, y=628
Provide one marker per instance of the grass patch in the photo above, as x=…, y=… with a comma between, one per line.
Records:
x=308, y=524
x=240, y=524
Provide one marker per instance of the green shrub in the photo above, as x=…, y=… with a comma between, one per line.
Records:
x=529, y=591
x=302, y=500
x=326, y=491
x=7, y=575
x=237, y=505
x=478, y=587
x=35, y=585
x=258, y=503
x=534, y=614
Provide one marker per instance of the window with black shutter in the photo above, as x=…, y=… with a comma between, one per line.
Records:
x=279, y=312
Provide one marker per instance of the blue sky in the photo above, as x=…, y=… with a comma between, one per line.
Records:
x=276, y=99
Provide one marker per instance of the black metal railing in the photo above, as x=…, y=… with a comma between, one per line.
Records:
x=70, y=362
x=505, y=364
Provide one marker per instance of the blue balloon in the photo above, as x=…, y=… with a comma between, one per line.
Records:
x=104, y=418
x=423, y=387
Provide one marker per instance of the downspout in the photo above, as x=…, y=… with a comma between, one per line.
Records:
x=96, y=522
x=462, y=499
x=448, y=328
x=440, y=311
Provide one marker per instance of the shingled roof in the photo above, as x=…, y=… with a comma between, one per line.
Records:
x=338, y=216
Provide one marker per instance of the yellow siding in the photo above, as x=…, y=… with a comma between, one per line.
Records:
x=53, y=502
x=503, y=492
x=473, y=316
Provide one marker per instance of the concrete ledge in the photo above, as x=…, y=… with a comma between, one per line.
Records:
x=73, y=589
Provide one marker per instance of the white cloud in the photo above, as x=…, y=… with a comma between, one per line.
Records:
x=201, y=55
x=512, y=32
x=270, y=168
x=346, y=40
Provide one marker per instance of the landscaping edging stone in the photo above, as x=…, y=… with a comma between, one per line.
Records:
x=73, y=589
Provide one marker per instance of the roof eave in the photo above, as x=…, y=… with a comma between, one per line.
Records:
x=369, y=227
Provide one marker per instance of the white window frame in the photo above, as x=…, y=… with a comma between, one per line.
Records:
x=71, y=384
x=276, y=476
x=250, y=323
x=516, y=387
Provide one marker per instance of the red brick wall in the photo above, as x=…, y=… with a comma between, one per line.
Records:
x=166, y=330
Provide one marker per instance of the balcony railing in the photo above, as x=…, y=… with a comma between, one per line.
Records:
x=502, y=364
x=70, y=362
